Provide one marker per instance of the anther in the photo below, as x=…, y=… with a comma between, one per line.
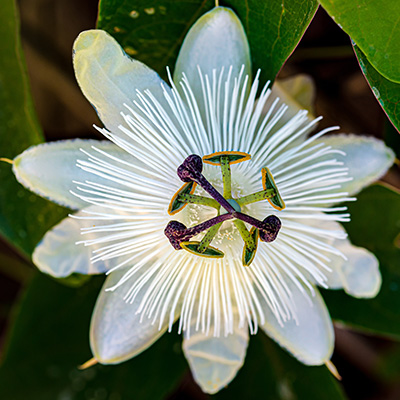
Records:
x=249, y=249
x=177, y=204
x=268, y=182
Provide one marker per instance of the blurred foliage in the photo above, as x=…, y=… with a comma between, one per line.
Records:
x=375, y=222
x=153, y=32
x=269, y=373
x=374, y=27
x=49, y=340
x=385, y=91
x=24, y=217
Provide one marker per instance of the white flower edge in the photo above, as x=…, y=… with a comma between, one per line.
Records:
x=349, y=264
x=346, y=272
x=216, y=40
x=311, y=338
x=50, y=169
x=108, y=77
x=59, y=254
x=215, y=361
x=115, y=334
x=367, y=158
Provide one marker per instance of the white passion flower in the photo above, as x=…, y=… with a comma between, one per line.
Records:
x=206, y=206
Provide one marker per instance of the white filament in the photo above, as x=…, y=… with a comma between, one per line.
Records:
x=132, y=201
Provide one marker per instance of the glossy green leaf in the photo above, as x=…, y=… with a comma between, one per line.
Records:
x=153, y=32
x=385, y=91
x=24, y=217
x=269, y=373
x=375, y=225
x=50, y=339
x=375, y=27
x=274, y=29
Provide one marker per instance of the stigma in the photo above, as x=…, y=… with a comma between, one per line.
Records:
x=227, y=207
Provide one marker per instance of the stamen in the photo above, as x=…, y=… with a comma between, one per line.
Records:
x=244, y=233
x=249, y=252
x=255, y=197
x=234, y=157
x=190, y=171
x=269, y=183
x=250, y=242
x=208, y=237
x=176, y=203
x=195, y=199
x=226, y=177
x=194, y=248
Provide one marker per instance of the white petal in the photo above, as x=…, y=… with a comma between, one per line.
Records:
x=49, y=169
x=311, y=341
x=215, y=361
x=58, y=255
x=366, y=157
x=359, y=274
x=216, y=40
x=109, y=78
x=297, y=91
x=116, y=332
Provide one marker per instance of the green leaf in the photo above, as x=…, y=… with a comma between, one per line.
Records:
x=375, y=222
x=375, y=27
x=274, y=29
x=24, y=217
x=50, y=339
x=153, y=32
x=385, y=91
x=269, y=373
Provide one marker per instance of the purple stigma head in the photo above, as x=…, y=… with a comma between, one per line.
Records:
x=172, y=232
x=273, y=225
x=192, y=164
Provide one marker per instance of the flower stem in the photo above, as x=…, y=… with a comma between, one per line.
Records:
x=195, y=199
x=245, y=234
x=257, y=196
x=208, y=237
x=176, y=232
x=226, y=177
x=203, y=182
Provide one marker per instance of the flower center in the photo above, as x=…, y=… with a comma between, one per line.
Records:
x=227, y=208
